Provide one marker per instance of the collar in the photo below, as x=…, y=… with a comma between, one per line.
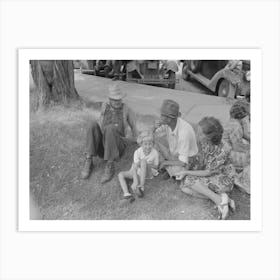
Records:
x=175, y=131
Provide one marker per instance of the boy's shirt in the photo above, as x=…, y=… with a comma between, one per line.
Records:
x=151, y=158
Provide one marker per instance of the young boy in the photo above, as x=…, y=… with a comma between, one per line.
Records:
x=145, y=164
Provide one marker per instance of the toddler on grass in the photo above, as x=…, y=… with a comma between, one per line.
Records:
x=145, y=164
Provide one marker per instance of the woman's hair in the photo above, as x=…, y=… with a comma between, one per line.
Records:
x=145, y=135
x=212, y=129
x=239, y=110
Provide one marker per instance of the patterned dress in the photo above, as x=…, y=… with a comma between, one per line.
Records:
x=234, y=134
x=216, y=159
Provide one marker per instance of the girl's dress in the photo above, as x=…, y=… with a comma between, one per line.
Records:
x=215, y=158
x=233, y=135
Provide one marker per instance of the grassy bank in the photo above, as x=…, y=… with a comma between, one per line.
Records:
x=57, y=139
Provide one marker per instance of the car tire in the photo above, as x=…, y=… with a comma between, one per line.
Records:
x=224, y=88
x=171, y=75
x=195, y=65
x=185, y=75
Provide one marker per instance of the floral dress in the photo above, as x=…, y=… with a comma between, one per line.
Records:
x=234, y=134
x=216, y=159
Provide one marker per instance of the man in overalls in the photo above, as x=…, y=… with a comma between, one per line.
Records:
x=106, y=137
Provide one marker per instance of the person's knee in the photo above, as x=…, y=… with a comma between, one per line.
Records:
x=110, y=129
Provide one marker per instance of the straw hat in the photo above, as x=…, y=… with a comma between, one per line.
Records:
x=115, y=92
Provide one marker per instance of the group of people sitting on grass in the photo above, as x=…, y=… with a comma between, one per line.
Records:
x=206, y=159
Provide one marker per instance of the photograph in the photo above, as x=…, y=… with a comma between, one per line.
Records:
x=139, y=139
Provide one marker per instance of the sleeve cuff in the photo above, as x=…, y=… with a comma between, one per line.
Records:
x=183, y=158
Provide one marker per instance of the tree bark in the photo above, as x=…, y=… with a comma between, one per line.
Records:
x=54, y=80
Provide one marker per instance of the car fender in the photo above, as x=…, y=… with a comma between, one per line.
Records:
x=224, y=74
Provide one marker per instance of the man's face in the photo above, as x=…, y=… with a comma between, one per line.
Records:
x=116, y=104
x=166, y=120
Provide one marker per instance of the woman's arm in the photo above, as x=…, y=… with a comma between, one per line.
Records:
x=172, y=163
x=201, y=173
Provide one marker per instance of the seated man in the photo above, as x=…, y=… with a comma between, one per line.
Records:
x=106, y=138
x=180, y=136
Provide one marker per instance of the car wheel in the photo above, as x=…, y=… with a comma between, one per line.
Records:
x=185, y=75
x=171, y=76
x=195, y=65
x=224, y=88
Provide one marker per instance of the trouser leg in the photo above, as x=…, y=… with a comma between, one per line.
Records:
x=113, y=143
x=94, y=140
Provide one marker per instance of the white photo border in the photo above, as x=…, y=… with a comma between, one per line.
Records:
x=24, y=222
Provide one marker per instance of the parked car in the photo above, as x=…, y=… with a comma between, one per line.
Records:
x=226, y=78
x=152, y=72
x=101, y=68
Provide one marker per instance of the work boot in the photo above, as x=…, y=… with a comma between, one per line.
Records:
x=87, y=168
x=109, y=172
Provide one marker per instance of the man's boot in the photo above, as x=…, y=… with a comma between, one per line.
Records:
x=109, y=172
x=87, y=168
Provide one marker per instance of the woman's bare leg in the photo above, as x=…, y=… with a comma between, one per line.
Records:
x=201, y=189
x=192, y=192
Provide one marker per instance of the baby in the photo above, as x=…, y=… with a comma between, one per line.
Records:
x=145, y=164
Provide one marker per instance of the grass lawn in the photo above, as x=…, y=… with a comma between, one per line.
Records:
x=57, y=139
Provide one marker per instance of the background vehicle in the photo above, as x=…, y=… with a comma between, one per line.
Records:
x=101, y=68
x=226, y=78
x=152, y=72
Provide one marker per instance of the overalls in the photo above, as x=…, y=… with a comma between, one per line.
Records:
x=107, y=142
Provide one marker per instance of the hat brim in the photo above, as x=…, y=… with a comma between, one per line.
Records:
x=169, y=116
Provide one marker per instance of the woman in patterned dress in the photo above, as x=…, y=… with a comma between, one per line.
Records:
x=214, y=175
x=237, y=135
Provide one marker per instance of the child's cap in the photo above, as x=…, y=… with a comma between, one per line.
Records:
x=145, y=135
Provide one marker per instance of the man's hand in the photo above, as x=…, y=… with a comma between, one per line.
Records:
x=157, y=124
x=180, y=175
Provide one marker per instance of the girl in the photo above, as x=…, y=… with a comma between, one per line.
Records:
x=237, y=135
x=145, y=164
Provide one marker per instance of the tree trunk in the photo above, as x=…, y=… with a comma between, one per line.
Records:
x=54, y=80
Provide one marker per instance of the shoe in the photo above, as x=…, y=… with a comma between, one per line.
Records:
x=165, y=175
x=108, y=173
x=223, y=207
x=128, y=198
x=87, y=168
x=115, y=78
x=140, y=191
